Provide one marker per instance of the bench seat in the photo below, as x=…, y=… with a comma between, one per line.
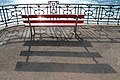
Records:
x=53, y=20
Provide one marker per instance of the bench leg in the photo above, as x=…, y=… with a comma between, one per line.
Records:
x=31, y=33
x=75, y=32
x=34, y=30
x=76, y=35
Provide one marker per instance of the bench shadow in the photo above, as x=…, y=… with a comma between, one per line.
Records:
x=58, y=43
x=63, y=67
x=60, y=54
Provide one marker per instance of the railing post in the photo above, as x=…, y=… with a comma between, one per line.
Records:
x=118, y=20
x=16, y=14
x=5, y=20
x=99, y=15
x=118, y=15
x=78, y=10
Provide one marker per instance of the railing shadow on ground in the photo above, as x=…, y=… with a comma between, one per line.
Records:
x=18, y=35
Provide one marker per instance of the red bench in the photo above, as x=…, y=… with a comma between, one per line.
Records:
x=53, y=20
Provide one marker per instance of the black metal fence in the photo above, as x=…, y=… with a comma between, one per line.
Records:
x=94, y=13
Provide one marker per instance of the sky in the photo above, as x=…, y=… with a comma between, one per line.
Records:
x=72, y=1
x=60, y=1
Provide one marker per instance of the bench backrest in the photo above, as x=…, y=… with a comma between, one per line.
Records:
x=54, y=18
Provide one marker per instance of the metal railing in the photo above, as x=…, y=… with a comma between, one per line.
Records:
x=94, y=13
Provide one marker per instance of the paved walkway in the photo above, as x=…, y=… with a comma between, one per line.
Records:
x=97, y=57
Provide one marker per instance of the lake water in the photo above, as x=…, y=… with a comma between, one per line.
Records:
x=3, y=2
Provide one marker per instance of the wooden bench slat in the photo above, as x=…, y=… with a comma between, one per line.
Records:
x=53, y=16
x=54, y=25
x=53, y=21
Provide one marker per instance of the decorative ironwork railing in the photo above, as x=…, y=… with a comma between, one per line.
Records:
x=94, y=13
